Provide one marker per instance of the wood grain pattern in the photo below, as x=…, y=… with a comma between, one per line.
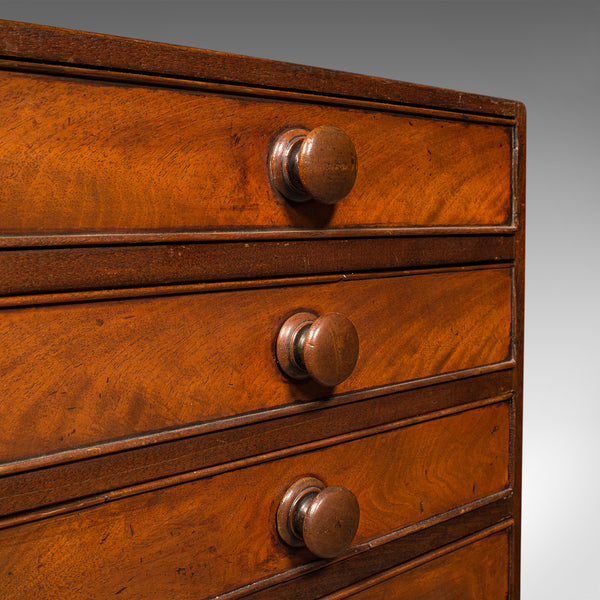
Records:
x=67, y=47
x=61, y=269
x=146, y=266
x=308, y=581
x=82, y=373
x=221, y=87
x=474, y=572
x=195, y=161
x=59, y=478
x=205, y=537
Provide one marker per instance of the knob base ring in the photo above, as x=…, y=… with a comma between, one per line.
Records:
x=287, y=507
x=286, y=344
x=283, y=165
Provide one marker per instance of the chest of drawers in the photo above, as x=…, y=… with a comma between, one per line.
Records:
x=261, y=328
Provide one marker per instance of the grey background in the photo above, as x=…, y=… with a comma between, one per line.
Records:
x=546, y=54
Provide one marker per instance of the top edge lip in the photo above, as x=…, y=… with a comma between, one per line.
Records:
x=33, y=42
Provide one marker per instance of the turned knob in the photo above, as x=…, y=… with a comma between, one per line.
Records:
x=319, y=164
x=323, y=348
x=324, y=519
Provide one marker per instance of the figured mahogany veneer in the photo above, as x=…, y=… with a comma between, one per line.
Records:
x=195, y=161
x=462, y=572
x=146, y=364
x=261, y=328
x=213, y=535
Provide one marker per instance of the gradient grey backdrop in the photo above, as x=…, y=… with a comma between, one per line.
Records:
x=546, y=54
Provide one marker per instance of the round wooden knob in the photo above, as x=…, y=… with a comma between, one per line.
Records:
x=324, y=519
x=323, y=348
x=319, y=164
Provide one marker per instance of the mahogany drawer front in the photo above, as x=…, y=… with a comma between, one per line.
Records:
x=478, y=571
x=205, y=537
x=196, y=161
x=89, y=372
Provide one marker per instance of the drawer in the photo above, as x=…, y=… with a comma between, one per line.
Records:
x=208, y=536
x=83, y=373
x=193, y=161
x=478, y=571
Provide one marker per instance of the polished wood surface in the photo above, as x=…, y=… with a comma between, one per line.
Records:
x=154, y=239
x=519, y=329
x=326, y=164
x=313, y=165
x=206, y=536
x=51, y=45
x=308, y=582
x=146, y=364
x=330, y=521
x=85, y=167
x=113, y=267
x=330, y=349
x=322, y=518
x=470, y=572
x=98, y=472
x=324, y=348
